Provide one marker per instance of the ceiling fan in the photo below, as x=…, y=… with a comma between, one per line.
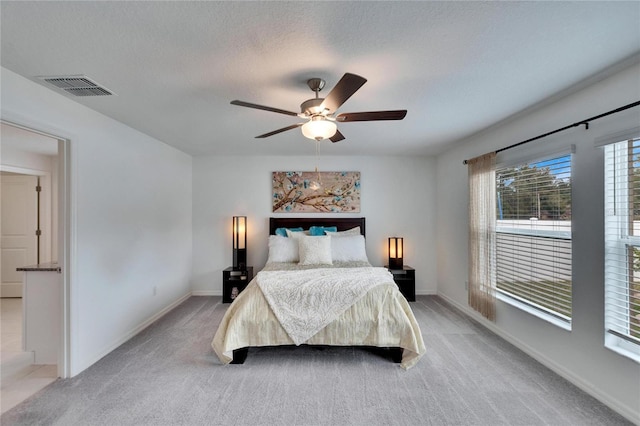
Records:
x=320, y=112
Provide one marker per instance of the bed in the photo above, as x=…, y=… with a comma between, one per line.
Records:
x=316, y=298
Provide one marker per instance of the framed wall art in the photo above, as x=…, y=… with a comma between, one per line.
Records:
x=316, y=192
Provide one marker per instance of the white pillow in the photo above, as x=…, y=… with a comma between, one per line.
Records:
x=296, y=234
x=315, y=250
x=282, y=249
x=348, y=248
x=352, y=231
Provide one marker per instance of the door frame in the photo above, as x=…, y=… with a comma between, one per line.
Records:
x=66, y=228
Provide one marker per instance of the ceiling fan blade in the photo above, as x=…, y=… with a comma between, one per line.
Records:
x=372, y=115
x=266, y=108
x=284, y=129
x=337, y=137
x=347, y=86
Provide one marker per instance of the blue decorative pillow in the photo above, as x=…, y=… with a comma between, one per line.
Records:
x=283, y=231
x=317, y=231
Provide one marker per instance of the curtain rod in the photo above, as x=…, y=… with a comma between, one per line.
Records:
x=584, y=122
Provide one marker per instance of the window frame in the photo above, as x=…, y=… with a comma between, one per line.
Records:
x=622, y=242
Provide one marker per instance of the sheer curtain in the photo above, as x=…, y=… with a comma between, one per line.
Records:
x=482, y=244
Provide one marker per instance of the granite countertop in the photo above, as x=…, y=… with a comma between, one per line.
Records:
x=43, y=267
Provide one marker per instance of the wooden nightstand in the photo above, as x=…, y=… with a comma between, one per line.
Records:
x=405, y=279
x=234, y=281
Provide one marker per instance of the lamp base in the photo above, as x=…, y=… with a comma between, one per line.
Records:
x=239, y=259
x=395, y=263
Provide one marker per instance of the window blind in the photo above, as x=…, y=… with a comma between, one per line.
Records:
x=533, y=234
x=622, y=243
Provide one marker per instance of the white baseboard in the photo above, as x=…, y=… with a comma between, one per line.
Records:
x=132, y=333
x=625, y=411
x=205, y=293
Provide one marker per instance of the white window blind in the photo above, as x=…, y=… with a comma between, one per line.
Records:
x=622, y=247
x=533, y=235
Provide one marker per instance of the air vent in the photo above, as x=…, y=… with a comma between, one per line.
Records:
x=77, y=85
x=88, y=91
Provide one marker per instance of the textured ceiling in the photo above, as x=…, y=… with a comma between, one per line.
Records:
x=457, y=67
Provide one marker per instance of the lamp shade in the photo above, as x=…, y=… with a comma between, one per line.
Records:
x=239, y=232
x=395, y=253
x=318, y=128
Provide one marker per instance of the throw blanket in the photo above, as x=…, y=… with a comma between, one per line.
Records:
x=306, y=301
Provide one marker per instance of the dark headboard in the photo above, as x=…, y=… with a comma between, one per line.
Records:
x=342, y=223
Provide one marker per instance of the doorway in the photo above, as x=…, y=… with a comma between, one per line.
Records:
x=29, y=176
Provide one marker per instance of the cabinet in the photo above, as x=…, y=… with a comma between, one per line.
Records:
x=405, y=279
x=234, y=281
x=41, y=312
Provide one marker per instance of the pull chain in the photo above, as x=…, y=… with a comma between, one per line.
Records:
x=317, y=185
x=318, y=161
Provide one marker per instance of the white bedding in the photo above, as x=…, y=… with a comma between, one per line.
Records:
x=306, y=301
x=380, y=316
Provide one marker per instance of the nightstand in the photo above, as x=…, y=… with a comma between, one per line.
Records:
x=234, y=281
x=405, y=279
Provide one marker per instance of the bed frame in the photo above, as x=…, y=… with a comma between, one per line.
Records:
x=342, y=224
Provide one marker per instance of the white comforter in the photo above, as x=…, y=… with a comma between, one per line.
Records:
x=380, y=316
x=306, y=301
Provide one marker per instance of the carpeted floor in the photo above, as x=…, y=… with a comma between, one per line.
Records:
x=168, y=375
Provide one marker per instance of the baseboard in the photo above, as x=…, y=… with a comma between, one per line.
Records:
x=627, y=412
x=132, y=333
x=205, y=293
x=426, y=293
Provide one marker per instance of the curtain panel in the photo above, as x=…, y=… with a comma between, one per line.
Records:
x=482, y=235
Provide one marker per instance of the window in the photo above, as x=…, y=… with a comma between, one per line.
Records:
x=533, y=237
x=622, y=247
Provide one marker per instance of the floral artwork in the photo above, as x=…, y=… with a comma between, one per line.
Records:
x=316, y=192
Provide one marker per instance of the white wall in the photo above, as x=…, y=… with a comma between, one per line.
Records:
x=396, y=199
x=131, y=216
x=580, y=354
x=14, y=157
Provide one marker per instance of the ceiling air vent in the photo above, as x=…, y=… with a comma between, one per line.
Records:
x=77, y=85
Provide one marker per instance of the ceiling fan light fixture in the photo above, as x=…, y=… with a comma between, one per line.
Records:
x=318, y=128
x=321, y=112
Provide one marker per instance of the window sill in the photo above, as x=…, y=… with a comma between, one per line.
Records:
x=566, y=325
x=622, y=347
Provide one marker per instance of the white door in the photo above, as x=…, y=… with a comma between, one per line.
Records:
x=18, y=226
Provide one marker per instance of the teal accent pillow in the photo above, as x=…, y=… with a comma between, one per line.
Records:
x=283, y=231
x=317, y=231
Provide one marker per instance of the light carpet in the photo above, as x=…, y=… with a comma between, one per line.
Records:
x=168, y=375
